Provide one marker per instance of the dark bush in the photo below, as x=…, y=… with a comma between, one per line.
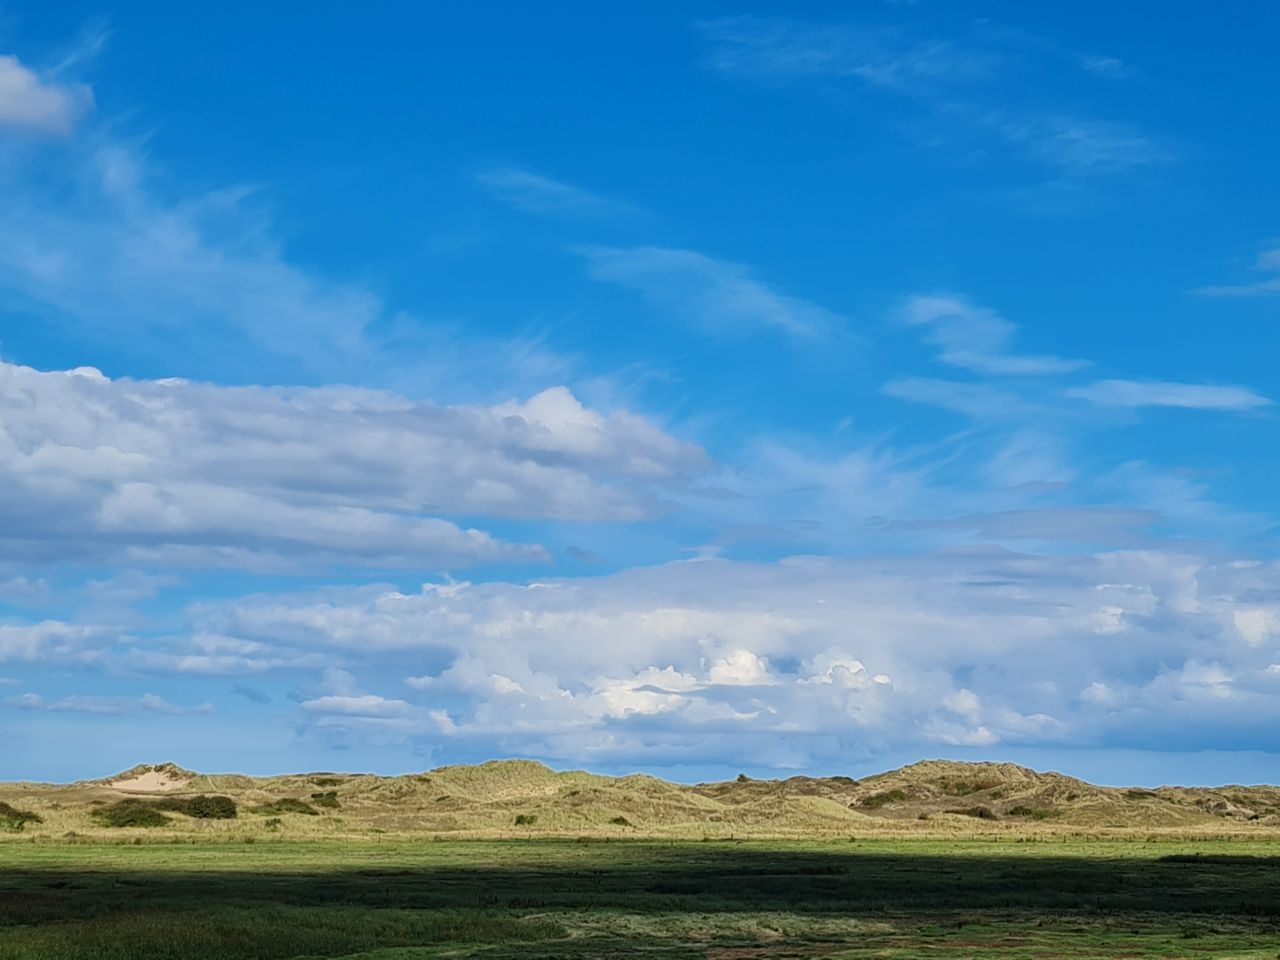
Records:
x=130, y=813
x=285, y=805
x=877, y=800
x=982, y=813
x=743, y=778
x=215, y=807
x=201, y=808
x=526, y=819
x=620, y=822
x=327, y=799
x=1032, y=813
x=327, y=781
x=11, y=818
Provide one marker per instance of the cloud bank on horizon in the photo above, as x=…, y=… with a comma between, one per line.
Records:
x=793, y=395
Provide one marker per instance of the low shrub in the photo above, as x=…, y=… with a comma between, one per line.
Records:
x=331, y=781
x=526, y=819
x=327, y=799
x=130, y=813
x=203, y=807
x=962, y=788
x=877, y=800
x=11, y=818
x=620, y=822
x=982, y=813
x=1032, y=813
x=285, y=805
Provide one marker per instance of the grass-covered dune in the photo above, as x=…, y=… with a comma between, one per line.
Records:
x=518, y=798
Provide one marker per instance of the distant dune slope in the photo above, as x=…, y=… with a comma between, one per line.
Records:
x=525, y=798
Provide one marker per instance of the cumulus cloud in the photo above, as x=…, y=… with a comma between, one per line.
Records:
x=717, y=295
x=977, y=338
x=177, y=471
x=53, y=640
x=961, y=648
x=1160, y=393
x=29, y=102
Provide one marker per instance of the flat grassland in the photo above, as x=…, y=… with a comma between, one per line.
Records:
x=1062, y=897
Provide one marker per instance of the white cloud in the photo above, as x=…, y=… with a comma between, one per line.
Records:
x=977, y=338
x=720, y=296
x=1159, y=393
x=740, y=668
x=365, y=705
x=28, y=102
x=1258, y=625
x=54, y=640
x=185, y=472
x=964, y=648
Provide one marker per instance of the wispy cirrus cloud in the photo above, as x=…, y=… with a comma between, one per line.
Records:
x=533, y=192
x=106, y=706
x=96, y=242
x=1079, y=146
x=982, y=401
x=776, y=48
x=719, y=296
x=1163, y=393
x=1267, y=263
x=957, y=79
x=977, y=338
x=1108, y=68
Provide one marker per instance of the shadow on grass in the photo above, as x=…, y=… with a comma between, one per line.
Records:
x=272, y=913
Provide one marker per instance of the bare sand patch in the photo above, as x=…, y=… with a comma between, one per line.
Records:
x=153, y=781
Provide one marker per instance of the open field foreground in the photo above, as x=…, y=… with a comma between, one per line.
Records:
x=720, y=900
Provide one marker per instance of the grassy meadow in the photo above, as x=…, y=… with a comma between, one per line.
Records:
x=180, y=898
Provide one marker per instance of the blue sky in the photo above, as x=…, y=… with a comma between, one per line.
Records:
x=696, y=388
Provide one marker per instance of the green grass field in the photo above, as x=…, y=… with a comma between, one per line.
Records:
x=554, y=898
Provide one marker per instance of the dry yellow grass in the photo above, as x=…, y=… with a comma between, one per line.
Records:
x=931, y=798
